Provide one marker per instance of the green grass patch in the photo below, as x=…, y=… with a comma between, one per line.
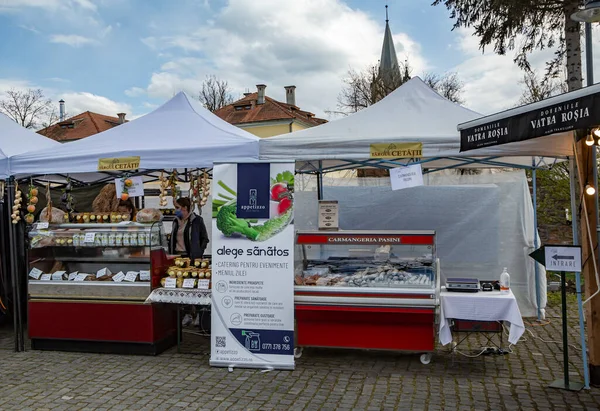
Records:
x=554, y=299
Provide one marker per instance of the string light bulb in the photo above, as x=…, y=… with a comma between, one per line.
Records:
x=590, y=190
x=589, y=140
x=597, y=132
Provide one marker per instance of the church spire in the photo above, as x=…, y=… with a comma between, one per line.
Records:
x=389, y=69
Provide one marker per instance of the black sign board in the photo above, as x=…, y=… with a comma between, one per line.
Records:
x=577, y=113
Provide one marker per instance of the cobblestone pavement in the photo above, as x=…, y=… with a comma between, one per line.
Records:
x=323, y=379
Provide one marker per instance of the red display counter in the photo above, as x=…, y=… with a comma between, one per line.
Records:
x=367, y=290
x=87, y=287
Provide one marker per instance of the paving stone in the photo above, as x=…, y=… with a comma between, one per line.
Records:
x=324, y=379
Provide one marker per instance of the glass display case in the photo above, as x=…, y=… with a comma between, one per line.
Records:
x=80, y=275
x=367, y=289
x=366, y=260
x=94, y=261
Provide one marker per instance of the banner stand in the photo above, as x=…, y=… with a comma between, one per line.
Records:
x=253, y=266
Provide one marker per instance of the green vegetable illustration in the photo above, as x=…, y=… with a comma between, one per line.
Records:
x=229, y=224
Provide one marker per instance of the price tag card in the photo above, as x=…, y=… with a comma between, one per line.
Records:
x=171, y=283
x=131, y=276
x=189, y=283
x=103, y=272
x=35, y=273
x=203, y=284
x=89, y=237
x=118, y=277
x=46, y=277
x=41, y=226
x=144, y=275
x=72, y=276
x=81, y=277
x=58, y=276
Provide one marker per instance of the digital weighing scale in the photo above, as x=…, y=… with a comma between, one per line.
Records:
x=467, y=285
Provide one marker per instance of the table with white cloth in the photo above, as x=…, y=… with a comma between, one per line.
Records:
x=181, y=297
x=479, y=306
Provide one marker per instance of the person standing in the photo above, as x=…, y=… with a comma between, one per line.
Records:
x=188, y=236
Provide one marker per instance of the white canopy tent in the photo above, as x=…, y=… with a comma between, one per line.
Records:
x=416, y=113
x=16, y=140
x=412, y=113
x=179, y=134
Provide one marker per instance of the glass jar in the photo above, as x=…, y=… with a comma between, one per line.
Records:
x=133, y=240
x=104, y=239
x=112, y=239
x=119, y=239
x=126, y=240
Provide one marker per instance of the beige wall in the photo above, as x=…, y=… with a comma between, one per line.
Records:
x=298, y=127
x=272, y=130
x=268, y=131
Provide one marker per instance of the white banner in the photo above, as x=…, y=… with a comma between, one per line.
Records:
x=253, y=267
x=406, y=177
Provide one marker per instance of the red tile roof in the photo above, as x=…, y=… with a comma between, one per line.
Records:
x=246, y=110
x=80, y=126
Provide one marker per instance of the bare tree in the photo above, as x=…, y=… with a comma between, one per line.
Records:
x=29, y=108
x=536, y=89
x=51, y=119
x=364, y=88
x=448, y=85
x=215, y=93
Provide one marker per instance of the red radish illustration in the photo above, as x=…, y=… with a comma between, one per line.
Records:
x=284, y=205
x=278, y=191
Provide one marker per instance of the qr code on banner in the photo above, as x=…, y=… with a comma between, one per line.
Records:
x=221, y=342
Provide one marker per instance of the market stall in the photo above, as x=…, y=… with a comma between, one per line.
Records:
x=91, y=272
x=416, y=126
x=14, y=140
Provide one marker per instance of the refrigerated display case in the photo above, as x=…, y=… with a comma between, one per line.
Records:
x=87, y=286
x=367, y=289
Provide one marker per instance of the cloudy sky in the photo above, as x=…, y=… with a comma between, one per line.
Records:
x=110, y=56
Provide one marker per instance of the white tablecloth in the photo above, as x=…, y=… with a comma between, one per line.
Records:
x=481, y=306
x=189, y=296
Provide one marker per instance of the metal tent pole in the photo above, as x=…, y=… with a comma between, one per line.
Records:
x=535, y=241
x=320, y=181
x=13, y=269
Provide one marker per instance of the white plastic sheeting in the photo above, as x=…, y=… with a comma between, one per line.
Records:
x=15, y=140
x=180, y=133
x=483, y=223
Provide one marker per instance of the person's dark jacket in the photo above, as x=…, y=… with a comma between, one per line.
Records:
x=195, y=237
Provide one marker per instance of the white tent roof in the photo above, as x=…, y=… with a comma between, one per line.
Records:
x=412, y=113
x=179, y=134
x=15, y=140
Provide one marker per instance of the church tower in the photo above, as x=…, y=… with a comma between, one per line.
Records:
x=389, y=69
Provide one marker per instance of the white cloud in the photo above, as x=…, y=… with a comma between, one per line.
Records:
x=310, y=44
x=86, y=4
x=30, y=28
x=16, y=5
x=492, y=82
x=72, y=40
x=105, y=32
x=59, y=80
x=135, y=92
x=78, y=102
